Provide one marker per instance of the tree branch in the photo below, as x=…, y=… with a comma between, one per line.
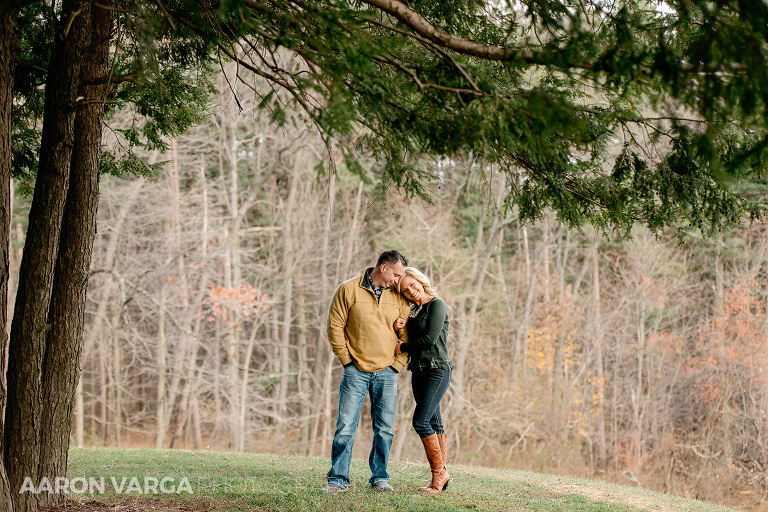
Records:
x=386, y=59
x=113, y=79
x=460, y=45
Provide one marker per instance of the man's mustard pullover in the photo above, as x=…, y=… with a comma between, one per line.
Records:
x=360, y=328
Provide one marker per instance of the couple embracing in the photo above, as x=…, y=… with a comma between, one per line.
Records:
x=379, y=321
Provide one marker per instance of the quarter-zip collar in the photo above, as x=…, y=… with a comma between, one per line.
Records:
x=366, y=283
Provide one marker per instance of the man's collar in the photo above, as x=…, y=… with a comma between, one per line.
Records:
x=367, y=282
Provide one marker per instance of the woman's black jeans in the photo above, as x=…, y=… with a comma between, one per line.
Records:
x=429, y=386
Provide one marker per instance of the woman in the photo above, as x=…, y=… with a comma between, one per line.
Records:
x=427, y=330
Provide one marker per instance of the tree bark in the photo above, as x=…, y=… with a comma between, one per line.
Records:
x=9, y=46
x=30, y=322
x=61, y=369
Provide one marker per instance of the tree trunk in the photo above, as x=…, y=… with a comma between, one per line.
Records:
x=184, y=411
x=189, y=364
x=637, y=395
x=101, y=384
x=467, y=311
x=197, y=431
x=217, y=391
x=33, y=299
x=599, y=393
x=521, y=332
x=464, y=321
x=117, y=371
x=184, y=346
x=162, y=398
x=228, y=166
x=9, y=45
x=323, y=356
x=285, y=336
x=67, y=313
x=303, y=377
x=233, y=350
x=719, y=280
x=557, y=393
x=106, y=290
x=521, y=335
x=242, y=413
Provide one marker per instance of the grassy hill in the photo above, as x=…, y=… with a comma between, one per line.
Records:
x=222, y=481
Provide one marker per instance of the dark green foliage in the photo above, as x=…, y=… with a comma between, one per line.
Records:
x=609, y=114
x=682, y=92
x=163, y=74
x=168, y=102
x=24, y=145
x=29, y=91
x=170, y=70
x=128, y=163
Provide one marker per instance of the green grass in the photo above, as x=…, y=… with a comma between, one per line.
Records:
x=264, y=482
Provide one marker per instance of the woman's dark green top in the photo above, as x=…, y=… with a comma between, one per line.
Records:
x=427, y=338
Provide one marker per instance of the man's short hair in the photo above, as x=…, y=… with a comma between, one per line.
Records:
x=391, y=257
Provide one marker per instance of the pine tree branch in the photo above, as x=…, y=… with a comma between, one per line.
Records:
x=424, y=28
x=386, y=59
x=463, y=46
x=431, y=47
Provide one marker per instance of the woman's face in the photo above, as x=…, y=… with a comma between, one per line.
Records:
x=412, y=289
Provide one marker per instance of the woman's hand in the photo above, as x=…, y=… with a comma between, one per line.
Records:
x=399, y=323
x=397, y=348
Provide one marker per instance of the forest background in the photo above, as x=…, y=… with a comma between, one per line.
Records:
x=636, y=360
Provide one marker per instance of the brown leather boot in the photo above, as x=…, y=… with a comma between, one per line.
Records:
x=443, y=439
x=436, y=464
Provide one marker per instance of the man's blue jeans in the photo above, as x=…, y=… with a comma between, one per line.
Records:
x=382, y=386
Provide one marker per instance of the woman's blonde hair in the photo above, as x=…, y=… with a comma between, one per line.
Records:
x=420, y=277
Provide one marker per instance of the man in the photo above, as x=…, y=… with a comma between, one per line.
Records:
x=361, y=332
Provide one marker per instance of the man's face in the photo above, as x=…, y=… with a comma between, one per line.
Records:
x=392, y=273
